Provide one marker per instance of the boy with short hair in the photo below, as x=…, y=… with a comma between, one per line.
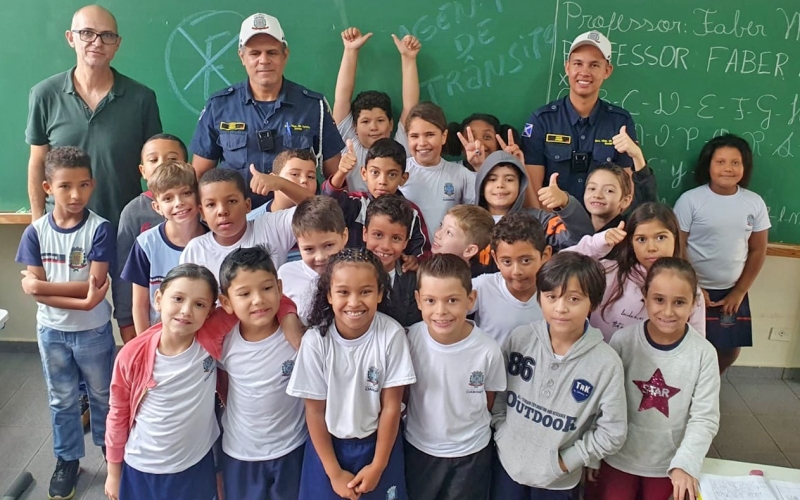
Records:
x=138, y=216
x=387, y=227
x=448, y=449
x=156, y=251
x=500, y=188
x=264, y=428
x=384, y=172
x=466, y=231
x=369, y=116
x=318, y=225
x=67, y=253
x=507, y=298
x=298, y=166
x=224, y=205
x=565, y=405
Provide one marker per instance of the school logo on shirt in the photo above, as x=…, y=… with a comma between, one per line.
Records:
x=751, y=220
x=372, y=378
x=391, y=493
x=208, y=367
x=287, y=367
x=527, y=131
x=77, y=259
x=581, y=390
x=476, y=382
x=449, y=189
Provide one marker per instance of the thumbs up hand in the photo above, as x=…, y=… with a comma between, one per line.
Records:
x=624, y=144
x=552, y=196
x=262, y=184
x=349, y=159
x=616, y=235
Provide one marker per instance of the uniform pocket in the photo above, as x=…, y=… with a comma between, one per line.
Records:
x=558, y=153
x=231, y=141
x=603, y=154
x=234, y=149
x=299, y=139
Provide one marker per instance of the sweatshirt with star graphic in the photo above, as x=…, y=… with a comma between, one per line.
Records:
x=572, y=407
x=673, y=402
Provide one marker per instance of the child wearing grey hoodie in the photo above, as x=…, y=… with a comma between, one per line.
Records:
x=500, y=187
x=565, y=404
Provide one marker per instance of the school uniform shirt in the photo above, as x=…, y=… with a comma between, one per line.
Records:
x=175, y=425
x=273, y=229
x=630, y=308
x=261, y=422
x=299, y=284
x=497, y=312
x=447, y=414
x=573, y=406
x=719, y=228
x=351, y=374
x=437, y=189
x=673, y=402
x=151, y=258
x=294, y=253
x=137, y=217
x=67, y=255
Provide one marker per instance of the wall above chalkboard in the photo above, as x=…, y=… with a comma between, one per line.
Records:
x=685, y=70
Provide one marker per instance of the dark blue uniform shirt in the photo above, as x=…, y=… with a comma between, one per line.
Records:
x=229, y=124
x=556, y=130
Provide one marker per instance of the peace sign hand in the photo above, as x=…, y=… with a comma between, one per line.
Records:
x=510, y=147
x=472, y=148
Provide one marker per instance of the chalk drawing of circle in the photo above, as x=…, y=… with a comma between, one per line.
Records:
x=191, y=23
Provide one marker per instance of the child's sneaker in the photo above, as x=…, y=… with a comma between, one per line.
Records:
x=62, y=484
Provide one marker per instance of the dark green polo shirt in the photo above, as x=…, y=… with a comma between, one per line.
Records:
x=113, y=134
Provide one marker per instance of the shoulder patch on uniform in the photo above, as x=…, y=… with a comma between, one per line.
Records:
x=527, y=130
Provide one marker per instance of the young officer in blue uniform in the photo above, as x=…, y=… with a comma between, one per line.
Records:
x=251, y=122
x=572, y=135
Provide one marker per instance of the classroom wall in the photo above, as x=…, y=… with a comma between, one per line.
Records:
x=775, y=300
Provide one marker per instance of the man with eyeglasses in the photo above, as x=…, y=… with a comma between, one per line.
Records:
x=95, y=108
x=109, y=116
x=251, y=122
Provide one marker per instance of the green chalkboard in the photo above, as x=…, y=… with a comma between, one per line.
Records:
x=685, y=70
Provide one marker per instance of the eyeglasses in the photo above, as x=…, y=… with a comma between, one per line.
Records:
x=89, y=36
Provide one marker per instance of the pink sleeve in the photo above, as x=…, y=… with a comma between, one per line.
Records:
x=593, y=245
x=216, y=327
x=119, y=412
x=287, y=307
x=698, y=317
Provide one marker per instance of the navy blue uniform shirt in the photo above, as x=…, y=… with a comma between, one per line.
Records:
x=556, y=130
x=229, y=124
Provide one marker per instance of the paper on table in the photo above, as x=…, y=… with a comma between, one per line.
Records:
x=786, y=490
x=713, y=487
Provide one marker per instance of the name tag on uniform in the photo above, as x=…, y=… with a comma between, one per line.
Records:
x=558, y=138
x=229, y=126
x=604, y=142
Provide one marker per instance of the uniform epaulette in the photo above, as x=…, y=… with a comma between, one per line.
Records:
x=551, y=107
x=224, y=92
x=612, y=108
x=313, y=95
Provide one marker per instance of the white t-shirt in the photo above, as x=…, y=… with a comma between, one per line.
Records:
x=175, y=426
x=447, y=413
x=299, y=284
x=719, y=228
x=437, y=189
x=350, y=374
x=272, y=229
x=497, y=312
x=261, y=421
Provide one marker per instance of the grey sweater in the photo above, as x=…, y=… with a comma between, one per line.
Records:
x=673, y=403
x=574, y=407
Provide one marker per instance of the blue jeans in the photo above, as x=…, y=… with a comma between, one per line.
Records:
x=67, y=358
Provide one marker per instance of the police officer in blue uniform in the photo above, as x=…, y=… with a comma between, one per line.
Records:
x=574, y=134
x=251, y=122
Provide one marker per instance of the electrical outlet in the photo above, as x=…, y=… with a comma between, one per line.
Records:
x=780, y=334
